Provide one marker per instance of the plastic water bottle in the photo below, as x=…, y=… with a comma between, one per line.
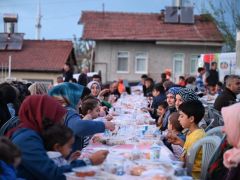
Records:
x=155, y=152
x=134, y=115
x=120, y=167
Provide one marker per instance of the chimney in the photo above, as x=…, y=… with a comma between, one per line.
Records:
x=177, y=3
x=182, y=3
x=10, y=23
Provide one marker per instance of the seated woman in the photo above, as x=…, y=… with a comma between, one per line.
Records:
x=70, y=95
x=37, y=112
x=96, y=91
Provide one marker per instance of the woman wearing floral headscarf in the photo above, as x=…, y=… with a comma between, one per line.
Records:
x=231, y=158
x=69, y=95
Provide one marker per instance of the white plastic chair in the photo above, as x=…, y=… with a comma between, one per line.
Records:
x=209, y=145
x=217, y=131
x=215, y=117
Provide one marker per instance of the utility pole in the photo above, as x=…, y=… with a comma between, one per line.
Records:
x=38, y=21
x=9, y=66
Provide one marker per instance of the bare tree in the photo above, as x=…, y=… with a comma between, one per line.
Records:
x=226, y=14
x=83, y=51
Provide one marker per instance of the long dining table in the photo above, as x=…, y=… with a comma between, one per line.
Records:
x=131, y=146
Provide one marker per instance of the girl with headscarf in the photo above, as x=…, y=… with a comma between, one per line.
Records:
x=96, y=91
x=231, y=158
x=95, y=88
x=36, y=114
x=69, y=95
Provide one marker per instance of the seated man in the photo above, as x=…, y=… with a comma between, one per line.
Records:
x=228, y=96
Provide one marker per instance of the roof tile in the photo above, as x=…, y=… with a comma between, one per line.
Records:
x=39, y=55
x=143, y=26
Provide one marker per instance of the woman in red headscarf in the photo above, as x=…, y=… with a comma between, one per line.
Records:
x=36, y=113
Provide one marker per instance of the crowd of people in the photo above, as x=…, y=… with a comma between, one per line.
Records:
x=56, y=123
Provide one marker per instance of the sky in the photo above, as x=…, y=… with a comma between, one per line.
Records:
x=60, y=17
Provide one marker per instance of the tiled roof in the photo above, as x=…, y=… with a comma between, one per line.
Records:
x=39, y=55
x=145, y=27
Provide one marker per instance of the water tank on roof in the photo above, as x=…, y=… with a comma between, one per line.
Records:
x=186, y=15
x=171, y=15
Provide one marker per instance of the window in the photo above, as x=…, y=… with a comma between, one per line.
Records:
x=122, y=62
x=141, y=63
x=193, y=64
x=178, y=65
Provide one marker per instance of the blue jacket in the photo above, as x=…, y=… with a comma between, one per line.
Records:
x=157, y=100
x=35, y=162
x=7, y=171
x=81, y=127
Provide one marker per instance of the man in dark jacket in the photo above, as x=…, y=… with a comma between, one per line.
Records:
x=83, y=79
x=67, y=72
x=228, y=96
x=213, y=76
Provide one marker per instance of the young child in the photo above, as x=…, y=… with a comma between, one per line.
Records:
x=161, y=110
x=90, y=110
x=191, y=113
x=58, y=140
x=149, y=83
x=158, y=97
x=10, y=158
x=175, y=127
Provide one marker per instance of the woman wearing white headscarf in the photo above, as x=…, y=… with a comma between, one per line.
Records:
x=38, y=88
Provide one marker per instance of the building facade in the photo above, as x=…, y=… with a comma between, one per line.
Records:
x=131, y=44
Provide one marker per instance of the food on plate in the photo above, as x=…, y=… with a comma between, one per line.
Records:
x=84, y=174
x=159, y=177
x=137, y=170
x=112, y=142
x=85, y=171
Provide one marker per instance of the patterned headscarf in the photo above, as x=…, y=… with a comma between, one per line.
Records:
x=68, y=94
x=187, y=94
x=174, y=90
x=38, y=88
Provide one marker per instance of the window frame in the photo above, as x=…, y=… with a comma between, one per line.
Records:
x=191, y=58
x=122, y=72
x=146, y=63
x=174, y=63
